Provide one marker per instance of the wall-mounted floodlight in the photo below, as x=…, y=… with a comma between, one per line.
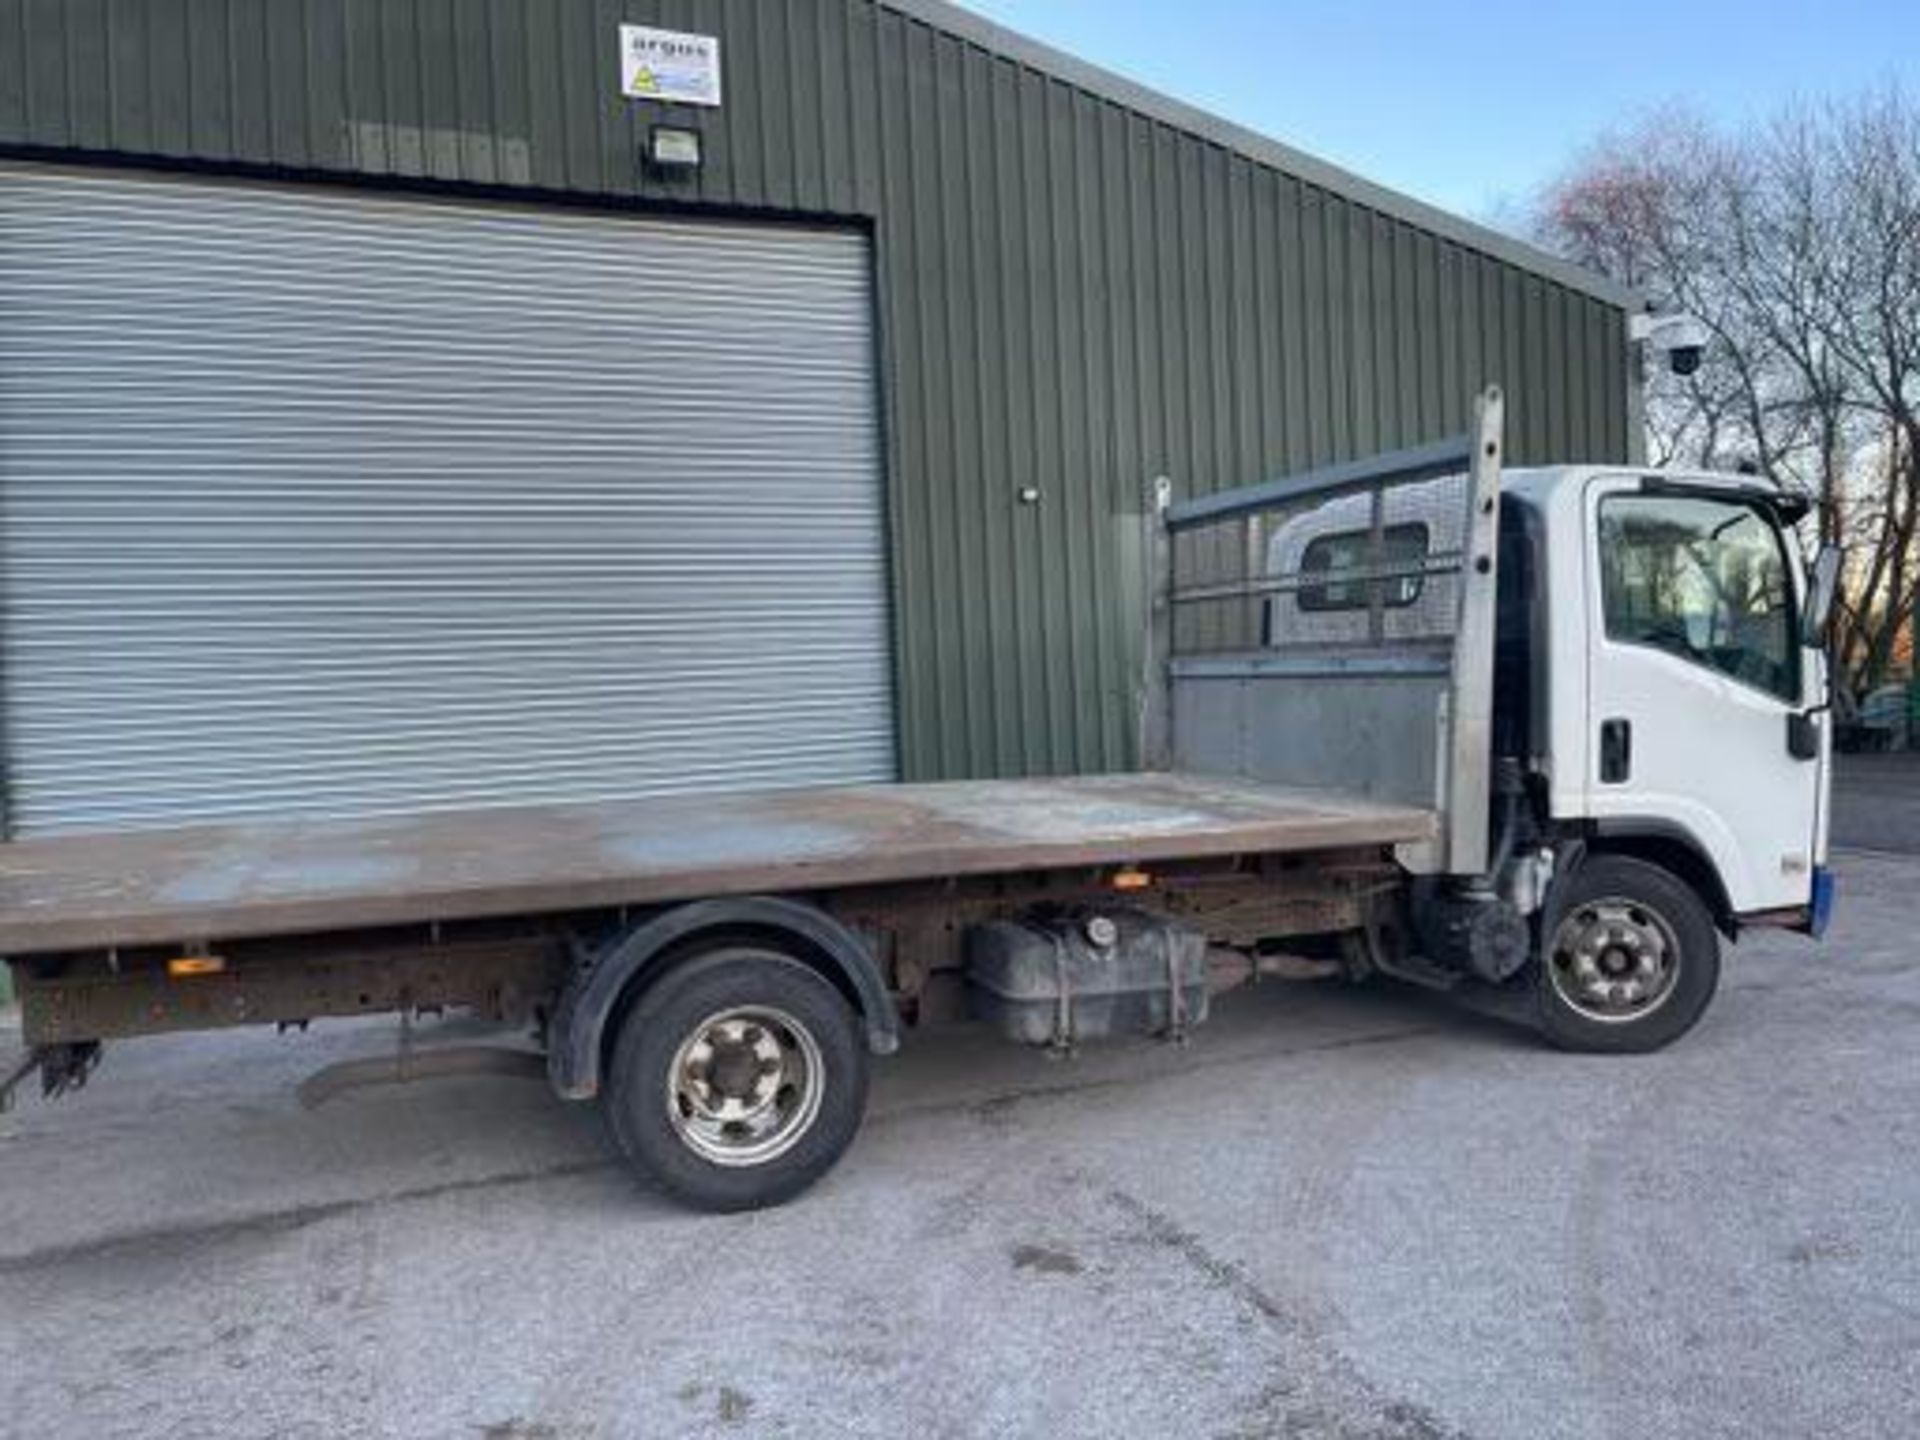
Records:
x=673, y=149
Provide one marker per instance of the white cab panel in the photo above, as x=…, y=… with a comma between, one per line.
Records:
x=1705, y=722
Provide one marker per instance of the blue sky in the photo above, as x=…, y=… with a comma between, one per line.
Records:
x=1473, y=105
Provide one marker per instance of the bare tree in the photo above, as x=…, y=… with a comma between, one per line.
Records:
x=1797, y=244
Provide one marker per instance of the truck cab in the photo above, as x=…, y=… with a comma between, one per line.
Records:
x=1662, y=685
x=1609, y=682
x=1685, y=694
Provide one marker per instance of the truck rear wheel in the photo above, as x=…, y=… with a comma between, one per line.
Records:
x=737, y=1079
x=1629, y=961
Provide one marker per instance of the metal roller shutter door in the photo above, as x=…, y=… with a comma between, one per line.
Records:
x=313, y=502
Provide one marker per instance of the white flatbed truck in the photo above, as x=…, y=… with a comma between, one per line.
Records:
x=1551, y=748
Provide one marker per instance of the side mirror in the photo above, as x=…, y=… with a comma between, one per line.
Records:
x=1822, y=584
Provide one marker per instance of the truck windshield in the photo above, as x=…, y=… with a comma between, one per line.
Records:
x=1703, y=579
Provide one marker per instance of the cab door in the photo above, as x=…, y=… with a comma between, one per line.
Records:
x=1702, y=702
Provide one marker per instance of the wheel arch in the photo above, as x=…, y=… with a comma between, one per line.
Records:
x=1673, y=849
x=603, y=986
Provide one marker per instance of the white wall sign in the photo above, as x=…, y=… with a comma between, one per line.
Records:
x=669, y=65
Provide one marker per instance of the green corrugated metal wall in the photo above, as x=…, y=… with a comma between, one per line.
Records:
x=1073, y=295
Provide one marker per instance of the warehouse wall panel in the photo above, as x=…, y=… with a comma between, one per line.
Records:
x=1074, y=296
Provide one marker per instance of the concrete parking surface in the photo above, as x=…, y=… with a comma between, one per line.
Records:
x=1341, y=1213
x=1876, y=802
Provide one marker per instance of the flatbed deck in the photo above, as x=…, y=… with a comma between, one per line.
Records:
x=235, y=881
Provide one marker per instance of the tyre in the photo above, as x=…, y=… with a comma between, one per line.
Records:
x=1629, y=959
x=737, y=1079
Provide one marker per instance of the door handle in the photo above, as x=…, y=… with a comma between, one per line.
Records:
x=1616, y=751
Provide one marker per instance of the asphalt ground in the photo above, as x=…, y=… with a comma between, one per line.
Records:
x=1876, y=802
x=1337, y=1212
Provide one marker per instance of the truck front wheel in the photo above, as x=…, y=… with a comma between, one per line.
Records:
x=737, y=1079
x=1629, y=960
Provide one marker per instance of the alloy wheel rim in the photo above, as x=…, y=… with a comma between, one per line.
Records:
x=1614, y=960
x=745, y=1086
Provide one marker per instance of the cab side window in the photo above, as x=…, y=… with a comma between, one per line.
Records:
x=1703, y=579
x=1350, y=550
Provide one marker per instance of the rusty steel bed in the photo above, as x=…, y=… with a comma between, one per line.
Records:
x=223, y=882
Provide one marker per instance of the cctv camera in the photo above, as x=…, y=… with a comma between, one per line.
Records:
x=1682, y=338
